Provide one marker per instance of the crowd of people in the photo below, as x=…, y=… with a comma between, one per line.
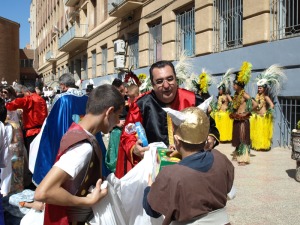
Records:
x=52, y=144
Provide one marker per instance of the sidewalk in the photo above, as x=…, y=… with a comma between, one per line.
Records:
x=267, y=192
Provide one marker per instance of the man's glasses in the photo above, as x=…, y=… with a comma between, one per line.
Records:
x=4, y=92
x=160, y=82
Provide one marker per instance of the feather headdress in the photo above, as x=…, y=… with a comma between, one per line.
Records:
x=273, y=78
x=205, y=81
x=226, y=81
x=145, y=83
x=243, y=77
x=183, y=69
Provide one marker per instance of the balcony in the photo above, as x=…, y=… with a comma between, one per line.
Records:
x=73, y=38
x=120, y=8
x=71, y=2
x=50, y=56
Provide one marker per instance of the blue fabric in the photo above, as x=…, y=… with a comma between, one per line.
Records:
x=200, y=161
x=146, y=205
x=60, y=118
x=105, y=170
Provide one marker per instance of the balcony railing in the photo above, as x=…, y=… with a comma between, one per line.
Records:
x=50, y=56
x=120, y=8
x=73, y=38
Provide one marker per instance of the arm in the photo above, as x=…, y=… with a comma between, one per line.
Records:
x=18, y=103
x=254, y=103
x=269, y=101
x=131, y=145
x=51, y=191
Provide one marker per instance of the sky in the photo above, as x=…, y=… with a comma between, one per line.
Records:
x=19, y=12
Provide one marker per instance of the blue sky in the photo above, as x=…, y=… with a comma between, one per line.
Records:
x=18, y=11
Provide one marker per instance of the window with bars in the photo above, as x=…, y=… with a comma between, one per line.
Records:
x=289, y=116
x=133, y=50
x=94, y=63
x=155, y=43
x=285, y=18
x=185, y=33
x=84, y=67
x=228, y=24
x=104, y=60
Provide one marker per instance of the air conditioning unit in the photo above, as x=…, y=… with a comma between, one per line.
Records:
x=119, y=61
x=119, y=46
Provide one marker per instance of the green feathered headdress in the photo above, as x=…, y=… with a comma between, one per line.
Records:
x=243, y=77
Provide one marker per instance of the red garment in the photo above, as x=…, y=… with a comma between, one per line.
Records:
x=126, y=160
x=34, y=112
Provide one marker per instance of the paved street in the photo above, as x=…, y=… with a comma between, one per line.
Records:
x=267, y=192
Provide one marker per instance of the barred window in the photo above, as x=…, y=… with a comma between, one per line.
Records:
x=104, y=60
x=133, y=50
x=285, y=18
x=185, y=33
x=94, y=63
x=228, y=24
x=155, y=43
x=84, y=67
x=290, y=115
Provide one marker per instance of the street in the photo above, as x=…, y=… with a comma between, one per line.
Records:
x=267, y=192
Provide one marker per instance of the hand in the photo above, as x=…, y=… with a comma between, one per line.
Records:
x=210, y=142
x=97, y=194
x=139, y=150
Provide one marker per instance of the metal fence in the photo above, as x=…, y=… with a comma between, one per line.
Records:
x=185, y=33
x=289, y=108
x=285, y=18
x=227, y=24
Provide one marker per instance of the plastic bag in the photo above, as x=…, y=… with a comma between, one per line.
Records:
x=130, y=188
x=33, y=217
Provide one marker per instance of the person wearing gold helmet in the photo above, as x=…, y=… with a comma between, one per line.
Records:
x=243, y=104
x=198, y=190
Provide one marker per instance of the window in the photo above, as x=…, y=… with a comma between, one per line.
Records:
x=94, y=63
x=289, y=115
x=84, y=67
x=228, y=24
x=185, y=33
x=104, y=60
x=26, y=63
x=133, y=50
x=155, y=43
x=285, y=18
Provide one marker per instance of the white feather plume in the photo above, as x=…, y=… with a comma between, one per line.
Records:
x=183, y=68
x=274, y=77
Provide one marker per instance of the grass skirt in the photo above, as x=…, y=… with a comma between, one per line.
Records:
x=224, y=125
x=261, y=131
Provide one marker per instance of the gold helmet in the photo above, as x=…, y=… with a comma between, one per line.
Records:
x=191, y=124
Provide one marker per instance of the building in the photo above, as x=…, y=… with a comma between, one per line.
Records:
x=28, y=74
x=9, y=50
x=97, y=39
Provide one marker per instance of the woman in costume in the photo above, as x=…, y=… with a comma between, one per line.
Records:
x=243, y=104
x=261, y=122
x=222, y=109
x=14, y=172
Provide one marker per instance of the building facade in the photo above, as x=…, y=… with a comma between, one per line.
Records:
x=9, y=50
x=97, y=39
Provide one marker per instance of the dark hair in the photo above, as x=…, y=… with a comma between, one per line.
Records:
x=103, y=97
x=67, y=79
x=117, y=82
x=11, y=91
x=3, y=111
x=192, y=147
x=160, y=64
